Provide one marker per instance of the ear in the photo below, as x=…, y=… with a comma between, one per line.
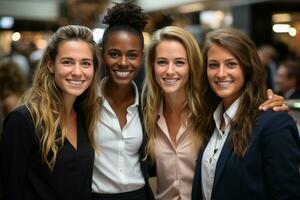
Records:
x=50, y=67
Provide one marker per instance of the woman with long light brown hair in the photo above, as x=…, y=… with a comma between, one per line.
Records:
x=47, y=142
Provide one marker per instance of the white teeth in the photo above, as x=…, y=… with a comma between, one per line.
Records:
x=170, y=81
x=122, y=74
x=75, y=82
x=223, y=83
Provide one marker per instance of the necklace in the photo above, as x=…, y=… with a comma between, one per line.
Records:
x=214, y=151
x=216, y=148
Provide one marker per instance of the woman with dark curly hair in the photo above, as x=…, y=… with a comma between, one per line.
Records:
x=119, y=169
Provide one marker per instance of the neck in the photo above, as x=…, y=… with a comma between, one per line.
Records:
x=174, y=105
x=117, y=93
x=69, y=102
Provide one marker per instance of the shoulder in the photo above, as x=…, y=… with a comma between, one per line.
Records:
x=20, y=111
x=20, y=116
x=270, y=117
x=18, y=127
x=277, y=125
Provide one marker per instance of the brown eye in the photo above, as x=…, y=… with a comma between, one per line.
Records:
x=232, y=64
x=179, y=63
x=212, y=65
x=132, y=56
x=114, y=54
x=67, y=62
x=162, y=62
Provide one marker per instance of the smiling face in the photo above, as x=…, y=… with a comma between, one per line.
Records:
x=73, y=68
x=171, y=67
x=225, y=74
x=122, y=56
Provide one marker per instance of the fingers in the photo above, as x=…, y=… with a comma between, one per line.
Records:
x=278, y=106
x=269, y=104
x=276, y=101
x=270, y=93
x=283, y=108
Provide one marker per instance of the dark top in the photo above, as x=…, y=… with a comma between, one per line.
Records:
x=268, y=170
x=295, y=95
x=24, y=175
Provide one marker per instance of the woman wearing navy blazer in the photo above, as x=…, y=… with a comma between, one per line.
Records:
x=248, y=154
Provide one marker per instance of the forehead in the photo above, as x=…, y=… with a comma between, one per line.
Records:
x=219, y=52
x=172, y=48
x=73, y=48
x=124, y=40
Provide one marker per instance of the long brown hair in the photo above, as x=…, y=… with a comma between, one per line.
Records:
x=152, y=93
x=253, y=92
x=45, y=101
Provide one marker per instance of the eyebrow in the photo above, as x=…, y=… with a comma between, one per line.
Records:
x=180, y=58
x=70, y=58
x=131, y=50
x=229, y=59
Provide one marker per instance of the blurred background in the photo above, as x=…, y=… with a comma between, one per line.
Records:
x=274, y=25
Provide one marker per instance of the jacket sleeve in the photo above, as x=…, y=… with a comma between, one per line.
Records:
x=15, y=152
x=281, y=155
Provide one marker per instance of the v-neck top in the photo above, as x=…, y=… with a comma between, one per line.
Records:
x=175, y=162
x=25, y=176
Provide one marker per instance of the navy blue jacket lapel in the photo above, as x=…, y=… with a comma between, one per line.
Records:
x=222, y=160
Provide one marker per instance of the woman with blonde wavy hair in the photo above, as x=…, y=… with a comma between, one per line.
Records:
x=173, y=109
x=47, y=143
x=172, y=94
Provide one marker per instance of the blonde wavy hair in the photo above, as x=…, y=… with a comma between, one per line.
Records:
x=153, y=94
x=45, y=101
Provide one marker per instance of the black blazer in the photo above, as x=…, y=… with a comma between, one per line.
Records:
x=24, y=176
x=269, y=169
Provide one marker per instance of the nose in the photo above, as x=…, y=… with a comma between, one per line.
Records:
x=222, y=71
x=171, y=68
x=123, y=61
x=77, y=70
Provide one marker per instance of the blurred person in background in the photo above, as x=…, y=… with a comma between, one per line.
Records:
x=288, y=79
x=12, y=84
x=267, y=55
x=20, y=59
x=46, y=149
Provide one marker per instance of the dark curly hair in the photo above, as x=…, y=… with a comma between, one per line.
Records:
x=125, y=16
